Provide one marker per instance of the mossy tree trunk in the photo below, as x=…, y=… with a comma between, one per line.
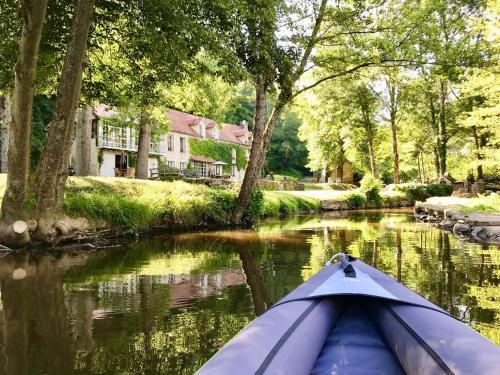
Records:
x=253, y=168
x=52, y=170
x=5, y=120
x=32, y=13
x=142, y=166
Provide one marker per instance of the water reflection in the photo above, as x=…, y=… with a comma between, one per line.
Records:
x=166, y=305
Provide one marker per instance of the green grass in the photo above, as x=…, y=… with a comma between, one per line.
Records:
x=482, y=203
x=285, y=203
x=128, y=205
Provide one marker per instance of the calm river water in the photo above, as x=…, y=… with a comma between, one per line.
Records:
x=165, y=305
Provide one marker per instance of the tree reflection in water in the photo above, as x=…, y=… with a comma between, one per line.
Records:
x=166, y=305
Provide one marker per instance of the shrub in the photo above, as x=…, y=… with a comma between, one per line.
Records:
x=371, y=186
x=420, y=192
x=355, y=199
x=254, y=208
x=393, y=198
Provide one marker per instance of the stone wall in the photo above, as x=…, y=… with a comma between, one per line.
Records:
x=280, y=185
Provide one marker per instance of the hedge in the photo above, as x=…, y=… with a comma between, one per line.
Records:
x=420, y=192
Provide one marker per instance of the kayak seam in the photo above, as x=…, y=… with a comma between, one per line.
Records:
x=267, y=361
x=306, y=298
x=421, y=341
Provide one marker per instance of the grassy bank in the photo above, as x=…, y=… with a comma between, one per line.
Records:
x=285, y=203
x=135, y=205
x=132, y=206
x=483, y=203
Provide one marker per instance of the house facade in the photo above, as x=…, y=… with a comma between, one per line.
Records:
x=113, y=149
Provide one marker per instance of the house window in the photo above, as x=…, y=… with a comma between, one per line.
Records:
x=182, y=144
x=170, y=143
x=182, y=165
x=171, y=163
x=201, y=168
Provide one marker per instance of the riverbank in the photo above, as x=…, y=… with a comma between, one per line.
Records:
x=472, y=219
x=121, y=206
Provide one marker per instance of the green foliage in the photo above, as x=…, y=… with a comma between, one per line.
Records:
x=254, y=209
x=355, y=199
x=219, y=151
x=121, y=212
x=371, y=187
x=287, y=153
x=131, y=117
x=420, y=192
x=43, y=107
x=132, y=206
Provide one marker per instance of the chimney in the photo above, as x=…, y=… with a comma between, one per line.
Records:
x=244, y=125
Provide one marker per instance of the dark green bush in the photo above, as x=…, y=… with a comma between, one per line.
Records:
x=255, y=206
x=356, y=200
x=420, y=192
x=371, y=186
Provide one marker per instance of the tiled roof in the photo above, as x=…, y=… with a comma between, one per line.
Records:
x=183, y=123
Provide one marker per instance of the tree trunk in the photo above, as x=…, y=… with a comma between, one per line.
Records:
x=478, y=141
x=395, y=155
x=442, y=135
x=252, y=171
x=371, y=151
x=5, y=120
x=437, y=143
x=142, y=166
x=393, y=111
x=52, y=170
x=261, y=149
x=85, y=140
x=33, y=14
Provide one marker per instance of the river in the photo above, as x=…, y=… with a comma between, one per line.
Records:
x=165, y=305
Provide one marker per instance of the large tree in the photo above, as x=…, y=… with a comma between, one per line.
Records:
x=32, y=16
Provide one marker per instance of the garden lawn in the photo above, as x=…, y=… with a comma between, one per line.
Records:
x=482, y=203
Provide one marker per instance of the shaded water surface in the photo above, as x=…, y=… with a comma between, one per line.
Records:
x=165, y=305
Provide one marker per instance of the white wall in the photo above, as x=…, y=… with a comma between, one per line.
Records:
x=108, y=164
x=176, y=155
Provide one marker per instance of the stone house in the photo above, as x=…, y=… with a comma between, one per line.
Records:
x=341, y=173
x=113, y=149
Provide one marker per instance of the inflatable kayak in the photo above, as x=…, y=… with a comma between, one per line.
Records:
x=350, y=318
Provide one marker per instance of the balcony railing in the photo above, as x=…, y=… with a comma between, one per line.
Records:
x=118, y=138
